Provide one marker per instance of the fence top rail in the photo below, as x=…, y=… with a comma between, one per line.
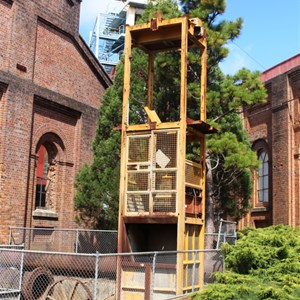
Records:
x=11, y=246
x=107, y=254
x=225, y=221
x=222, y=233
x=61, y=229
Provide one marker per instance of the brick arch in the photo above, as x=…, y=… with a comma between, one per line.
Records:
x=259, y=145
x=52, y=135
x=54, y=145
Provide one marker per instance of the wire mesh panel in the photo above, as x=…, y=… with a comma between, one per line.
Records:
x=152, y=172
x=138, y=173
x=92, y=241
x=106, y=277
x=137, y=202
x=164, y=202
x=192, y=278
x=213, y=262
x=65, y=240
x=165, y=147
x=164, y=275
x=138, y=149
x=192, y=174
x=55, y=276
x=164, y=175
x=148, y=276
x=135, y=276
x=10, y=273
x=227, y=233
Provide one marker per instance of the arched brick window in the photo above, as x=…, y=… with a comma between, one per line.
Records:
x=47, y=169
x=263, y=177
x=41, y=177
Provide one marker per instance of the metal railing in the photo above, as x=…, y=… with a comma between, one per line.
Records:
x=52, y=275
x=64, y=240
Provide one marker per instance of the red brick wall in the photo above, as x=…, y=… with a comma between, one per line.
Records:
x=278, y=124
x=52, y=86
x=54, y=52
x=281, y=141
x=5, y=21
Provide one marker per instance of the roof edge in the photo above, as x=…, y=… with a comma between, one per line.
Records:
x=281, y=68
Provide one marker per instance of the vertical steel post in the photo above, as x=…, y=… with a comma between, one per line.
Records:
x=220, y=229
x=10, y=237
x=96, y=275
x=21, y=273
x=153, y=275
x=76, y=242
x=194, y=271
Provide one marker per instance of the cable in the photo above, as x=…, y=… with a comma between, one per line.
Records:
x=264, y=68
x=268, y=108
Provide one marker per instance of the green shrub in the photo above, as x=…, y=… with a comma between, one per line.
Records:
x=264, y=264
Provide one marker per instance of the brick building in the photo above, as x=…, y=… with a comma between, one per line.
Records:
x=274, y=131
x=50, y=90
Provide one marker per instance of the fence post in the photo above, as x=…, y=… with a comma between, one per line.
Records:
x=153, y=275
x=21, y=272
x=194, y=271
x=219, y=233
x=96, y=275
x=76, y=243
x=10, y=237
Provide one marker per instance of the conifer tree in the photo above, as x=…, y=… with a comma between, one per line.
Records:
x=229, y=156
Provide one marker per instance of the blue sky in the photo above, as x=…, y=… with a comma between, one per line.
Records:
x=270, y=35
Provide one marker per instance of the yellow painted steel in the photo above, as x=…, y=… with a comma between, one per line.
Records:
x=151, y=180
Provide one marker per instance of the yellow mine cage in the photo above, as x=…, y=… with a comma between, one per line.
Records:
x=162, y=190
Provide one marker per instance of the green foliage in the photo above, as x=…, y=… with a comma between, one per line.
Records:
x=263, y=265
x=97, y=184
x=230, y=149
x=168, y=9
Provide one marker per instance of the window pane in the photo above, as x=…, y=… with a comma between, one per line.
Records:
x=266, y=169
x=260, y=196
x=46, y=164
x=263, y=178
x=266, y=195
x=266, y=182
x=266, y=158
x=260, y=183
x=260, y=170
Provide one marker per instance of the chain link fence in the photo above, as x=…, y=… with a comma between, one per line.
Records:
x=64, y=240
x=52, y=264
x=28, y=274
x=227, y=233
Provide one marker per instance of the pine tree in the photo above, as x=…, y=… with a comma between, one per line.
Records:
x=230, y=159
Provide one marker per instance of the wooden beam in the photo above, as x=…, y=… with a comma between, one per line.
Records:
x=203, y=82
x=181, y=153
x=126, y=92
x=150, y=79
x=152, y=115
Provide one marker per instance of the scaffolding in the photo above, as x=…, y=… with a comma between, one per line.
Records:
x=107, y=37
